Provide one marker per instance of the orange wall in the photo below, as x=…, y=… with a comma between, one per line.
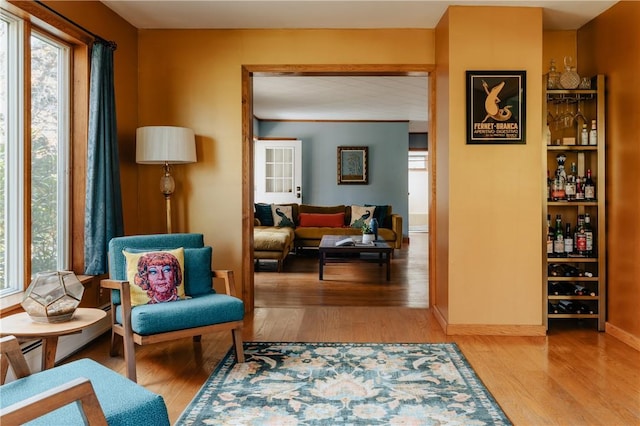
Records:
x=192, y=78
x=609, y=45
x=495, y=191
x=99, y=19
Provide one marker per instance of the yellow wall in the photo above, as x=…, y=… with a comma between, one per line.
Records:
x=609, y=45
x=495, y=191
x=192, y=78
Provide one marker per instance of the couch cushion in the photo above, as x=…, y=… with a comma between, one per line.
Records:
x=263, y=214
x=335, y=220
x=155, y=276
x=308, y=208
x=361, y=215
x=195, y=312
x=282, y=215
x=123, y=401
x=197, y=271
x=117, y=264
x=382, y=214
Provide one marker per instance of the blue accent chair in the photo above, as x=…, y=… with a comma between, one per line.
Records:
x=76, y=393
x=203, y=311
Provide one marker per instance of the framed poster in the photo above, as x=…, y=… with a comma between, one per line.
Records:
x=352, y=165
x=496, y=107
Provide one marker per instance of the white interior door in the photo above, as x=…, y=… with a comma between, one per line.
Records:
x=278, y=171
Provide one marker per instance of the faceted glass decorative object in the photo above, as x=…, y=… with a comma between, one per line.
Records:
x=53, y=296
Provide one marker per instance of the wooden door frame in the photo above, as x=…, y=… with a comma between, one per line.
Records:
x=248, y=72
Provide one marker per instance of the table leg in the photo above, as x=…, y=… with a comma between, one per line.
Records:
x=388, y=266
x=320, y=267
x=49, y=346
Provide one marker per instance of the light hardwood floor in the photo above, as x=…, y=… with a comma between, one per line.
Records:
x=573, y=376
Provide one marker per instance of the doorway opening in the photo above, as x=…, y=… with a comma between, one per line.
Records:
x=248, y=72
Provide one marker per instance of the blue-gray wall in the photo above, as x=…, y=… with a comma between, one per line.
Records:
x=388, y=164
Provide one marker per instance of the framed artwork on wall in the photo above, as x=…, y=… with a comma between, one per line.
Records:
x=352, y=165
x=496, y=107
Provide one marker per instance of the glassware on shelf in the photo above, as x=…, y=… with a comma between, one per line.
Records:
x=569, y=79
x=553, y=76
x=585, y=83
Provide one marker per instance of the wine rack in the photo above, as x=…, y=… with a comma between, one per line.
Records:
x=565, y=111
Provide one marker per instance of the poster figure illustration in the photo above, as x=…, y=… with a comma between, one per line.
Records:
x=495, y=107
x=159, y=274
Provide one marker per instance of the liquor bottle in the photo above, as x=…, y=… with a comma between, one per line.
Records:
x=593, y=134
x=558, y=192
x=549, y=186
x=579, y=189
x=588, y=231
x=550, y=235
x=558, y=241
x=568, y=240
x=589, y=187
x=570, y=186
x=584, y=135
x=580, y=237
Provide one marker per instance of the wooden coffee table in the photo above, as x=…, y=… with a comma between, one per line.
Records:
x=328, y=248
x=24, y=328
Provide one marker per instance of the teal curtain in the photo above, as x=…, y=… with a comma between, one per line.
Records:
x=103, y=211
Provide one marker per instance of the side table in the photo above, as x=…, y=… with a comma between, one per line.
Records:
x=24, y=328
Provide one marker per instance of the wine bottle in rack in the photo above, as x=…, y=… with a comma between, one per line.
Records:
x=566, y=307
x=550, y=235
x=588, y=231
x=553, y=308
x=589, y=187
x=580, y=237
x=558, y=241
x=568, y=240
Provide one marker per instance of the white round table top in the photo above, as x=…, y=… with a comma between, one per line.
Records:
x=21, y=325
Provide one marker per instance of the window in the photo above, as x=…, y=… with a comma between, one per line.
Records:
x=33, y=166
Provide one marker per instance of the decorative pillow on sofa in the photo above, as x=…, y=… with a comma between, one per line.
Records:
x=263, y=214
x=155, y=276
x=333, y=220
x=381, y=213
x=282, y=216
x=361, y=215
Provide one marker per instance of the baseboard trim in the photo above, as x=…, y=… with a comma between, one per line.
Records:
x=439, y=317
x=495, y=330
x=623, y=336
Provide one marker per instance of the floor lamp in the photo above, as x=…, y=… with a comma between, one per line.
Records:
x=165, y=145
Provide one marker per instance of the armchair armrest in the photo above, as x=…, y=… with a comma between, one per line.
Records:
x=78, y=390
x=12, y=355
x=229, y=282
x=113, y=284
x=396, y=226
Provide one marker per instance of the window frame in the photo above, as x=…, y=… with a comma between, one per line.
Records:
x=34, y=17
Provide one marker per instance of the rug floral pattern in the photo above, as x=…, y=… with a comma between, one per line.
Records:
x=344, y=384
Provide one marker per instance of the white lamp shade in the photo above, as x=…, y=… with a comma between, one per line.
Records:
x=165, y=145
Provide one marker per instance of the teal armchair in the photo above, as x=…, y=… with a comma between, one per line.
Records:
x=77, y=393
x=203, y=311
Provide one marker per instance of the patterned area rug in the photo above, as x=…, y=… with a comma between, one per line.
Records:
x=344, y=384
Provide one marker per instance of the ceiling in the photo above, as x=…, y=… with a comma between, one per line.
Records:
x=336, y=98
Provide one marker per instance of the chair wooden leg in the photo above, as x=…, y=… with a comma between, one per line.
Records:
x=237, y=342
x=116, y=340
x=130, y=357
x=197, y=339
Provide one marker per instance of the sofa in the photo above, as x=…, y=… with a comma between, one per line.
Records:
x=279, y=229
